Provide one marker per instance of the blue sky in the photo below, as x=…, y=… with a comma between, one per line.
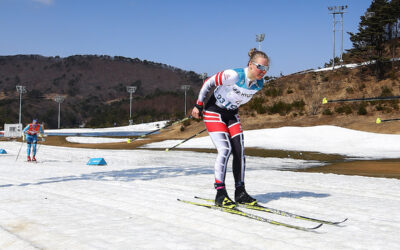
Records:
x=199, y=35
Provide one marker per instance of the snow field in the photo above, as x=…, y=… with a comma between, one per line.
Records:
x=61, y=203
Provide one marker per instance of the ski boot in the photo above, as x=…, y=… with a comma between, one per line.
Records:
x=222, y=199
x=29, y=158
x=33, y=158
x=242, y=197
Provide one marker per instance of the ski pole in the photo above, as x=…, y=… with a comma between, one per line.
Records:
x=187, y=139
x=37, y=151
x=378, y=120
x=42, y=139
x=154, y=131
x=22, y=143
x=382, y=98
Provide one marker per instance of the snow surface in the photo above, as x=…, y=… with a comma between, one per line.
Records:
x=94, y=140
x=325, y=139
x=350, y=65
x=61, y=203
x=137, y=128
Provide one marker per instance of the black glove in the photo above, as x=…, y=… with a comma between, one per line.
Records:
x=199, y=107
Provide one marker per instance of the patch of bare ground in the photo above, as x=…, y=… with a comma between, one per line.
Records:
x=383, y=168
x=338, y=164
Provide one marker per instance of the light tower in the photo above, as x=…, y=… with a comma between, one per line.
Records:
x=21, y=90
x=259, y=39
x=203, y=76
x=334, y=10
x=185, y=88
x=131, y=90
x=60, y=99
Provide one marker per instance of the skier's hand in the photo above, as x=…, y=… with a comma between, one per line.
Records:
x=196, y=113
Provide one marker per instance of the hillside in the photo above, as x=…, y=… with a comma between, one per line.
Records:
x=94, y=87
x=95, y=91
x=296, y=100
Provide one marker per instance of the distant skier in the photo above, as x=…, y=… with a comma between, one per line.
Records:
x=234, y=87
x=30, y=134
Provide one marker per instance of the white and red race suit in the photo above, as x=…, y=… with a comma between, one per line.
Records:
x=233, y=89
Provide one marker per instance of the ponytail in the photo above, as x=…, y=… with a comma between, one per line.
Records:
x=253, y=53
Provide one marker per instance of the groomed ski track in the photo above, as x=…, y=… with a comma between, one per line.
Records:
x=60, y=203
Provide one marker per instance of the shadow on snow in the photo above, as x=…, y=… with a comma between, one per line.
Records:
x=264, y=198
x=152, y=173
x=125, y=175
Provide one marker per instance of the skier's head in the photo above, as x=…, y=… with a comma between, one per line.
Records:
x=35, y=121
x=258, y=64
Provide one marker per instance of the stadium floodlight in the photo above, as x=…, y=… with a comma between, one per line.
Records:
x=131, y=90
x=335, y=10
x=21, y=90
x=259, y=39
x=203, y=76
x=59, y=99
x=185, y=88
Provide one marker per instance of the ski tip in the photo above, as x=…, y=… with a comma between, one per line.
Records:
x=339, y=222
x=318, y=226
x=378, y=120
x=324, y=101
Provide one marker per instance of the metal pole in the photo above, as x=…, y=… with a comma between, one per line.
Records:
x=59, y=99
x=337, y=10
x=185, y=88
x=131, y=90
x=333, y=58
x=21, y=89
x=185, y=101
x=59, y=113
x=20, y=106
x=341, y=42
x=130, y=106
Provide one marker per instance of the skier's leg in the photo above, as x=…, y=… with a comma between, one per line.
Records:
x=219, y=135
x=237, y=142
x=28, y=145
x=239, y=162
x=34, y=141
x=28, y=149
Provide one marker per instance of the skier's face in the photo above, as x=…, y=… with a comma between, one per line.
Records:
x=259, y=67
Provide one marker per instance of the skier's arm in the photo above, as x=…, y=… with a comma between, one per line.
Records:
x=25, y=129
x=227, y=77
x=24, y=132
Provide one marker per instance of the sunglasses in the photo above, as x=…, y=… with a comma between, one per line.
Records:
x=261, y=67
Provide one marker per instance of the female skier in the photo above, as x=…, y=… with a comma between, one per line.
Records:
x=30, y=132
x=234, y=87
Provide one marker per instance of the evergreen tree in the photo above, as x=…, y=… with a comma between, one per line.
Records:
x=374, y=30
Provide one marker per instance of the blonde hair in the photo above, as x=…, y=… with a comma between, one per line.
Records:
x=253, y=53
